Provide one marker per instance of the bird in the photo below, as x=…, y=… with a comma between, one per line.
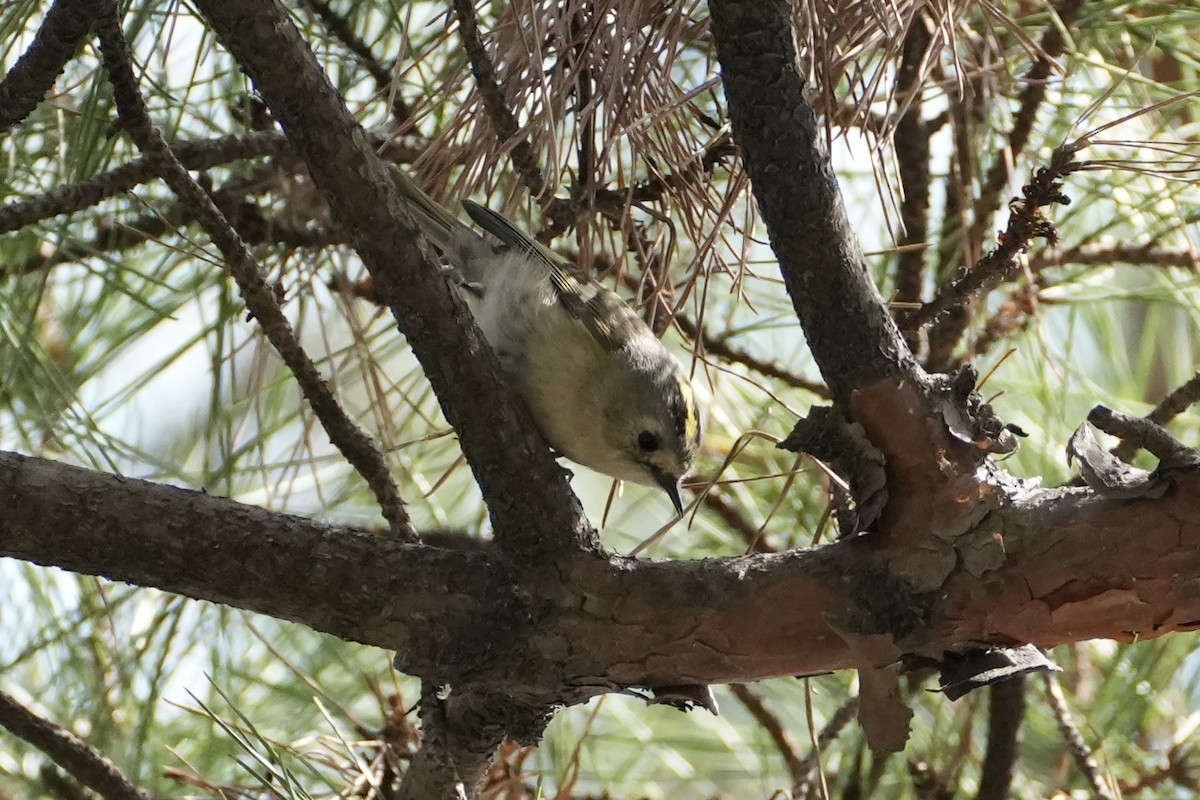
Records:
x=602, y=389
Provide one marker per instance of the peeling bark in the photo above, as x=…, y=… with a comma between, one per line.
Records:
x=1054, y=566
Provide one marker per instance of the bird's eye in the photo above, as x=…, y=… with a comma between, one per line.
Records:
x=648, y=441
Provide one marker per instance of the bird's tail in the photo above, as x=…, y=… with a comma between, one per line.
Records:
x=442, y=228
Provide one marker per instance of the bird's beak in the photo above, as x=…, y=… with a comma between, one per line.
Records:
x=670, y=485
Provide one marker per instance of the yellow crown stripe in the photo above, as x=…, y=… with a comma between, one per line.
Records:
x=691, y=419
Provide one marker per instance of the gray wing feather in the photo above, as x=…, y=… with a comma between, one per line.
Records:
x=610, y=321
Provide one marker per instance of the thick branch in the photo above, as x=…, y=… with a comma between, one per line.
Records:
x=460, y=734
x=845, y=321
x=356, y=585
x=27, y=83
x=526, y=492
x=1049, y=567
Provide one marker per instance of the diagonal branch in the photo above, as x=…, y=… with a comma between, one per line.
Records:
x=1085, y=759
x=339, y=27
x=720, y=347
x=947, y=331
x=846, y=323
x=1171, y=407
x=82, y=761
x=503, y=120
x=532, y=508
x=770, y=722
x=1025, y=223
x=62, y=32
x=1052, y=45
x=353, y=443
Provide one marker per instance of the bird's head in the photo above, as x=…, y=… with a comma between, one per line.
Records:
x=653, y=421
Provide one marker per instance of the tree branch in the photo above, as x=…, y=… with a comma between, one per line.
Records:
x=948, y=330
x=1079, y=749
x=460, y=734
x=532, y=508
x=770, y=722
x=834, y=727
x=504, y=122
x=1036, y=80
x=846, y=323
x=720, y=347
x=911, y=145
x=1053, y=566
x=62, y=32
x=74, y=197
x=1006, y=713
x=1025, y=223
x=339, y=27
x=349, y=439
x=1151, y=255
x=83, y=762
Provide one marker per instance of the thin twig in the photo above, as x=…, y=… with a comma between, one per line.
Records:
x=733, y=518
x=33, y=75
x=948, y=331
x=354, y=444
x=1141, y=432
x=339, y=27
x=771, y=723
x=246, y=219
x=1052, y=45
x=584, y=113
x=953, y=248
x=1150, y=255
x=1011, y=318
x=502, y=118
x=1024, y=224
x=83, y=762
x=720, y=348
x=836, y=723
x=563, y=212
x=1080, y=751
x=1171, y=406
x=74, y=197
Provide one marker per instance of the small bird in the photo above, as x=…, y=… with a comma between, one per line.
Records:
x=602, y=388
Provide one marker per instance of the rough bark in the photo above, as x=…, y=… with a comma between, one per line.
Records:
x=62, y=32
x=1056, y=566
x=960, y=553
x=526, y=492
x=846, y=323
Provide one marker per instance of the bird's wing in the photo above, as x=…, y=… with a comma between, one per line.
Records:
x=606, y=316
x=439, y=225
